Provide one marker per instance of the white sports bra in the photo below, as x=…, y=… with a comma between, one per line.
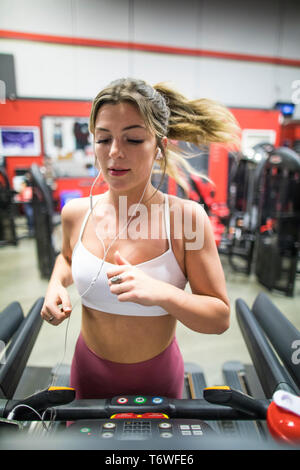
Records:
x=85, y=269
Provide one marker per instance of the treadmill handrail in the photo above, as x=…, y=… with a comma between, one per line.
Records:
x=280, y=331
x=269, y=370
x=19, y=350
x=10, y=320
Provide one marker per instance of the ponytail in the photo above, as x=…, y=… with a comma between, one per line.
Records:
x=200, y=121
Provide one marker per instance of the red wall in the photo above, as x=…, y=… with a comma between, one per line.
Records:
x=259, y=119
x=29, y=112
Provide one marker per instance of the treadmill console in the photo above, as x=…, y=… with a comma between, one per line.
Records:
x=125, y=428
x=140, y=418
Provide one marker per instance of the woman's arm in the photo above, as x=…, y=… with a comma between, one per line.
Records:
x=57, y=302
x=207, y=308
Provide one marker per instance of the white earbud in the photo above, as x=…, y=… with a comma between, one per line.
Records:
x=159, y=155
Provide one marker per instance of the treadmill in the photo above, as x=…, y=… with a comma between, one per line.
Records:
x=230, y=417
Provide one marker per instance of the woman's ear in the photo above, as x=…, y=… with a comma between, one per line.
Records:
x=164, y=142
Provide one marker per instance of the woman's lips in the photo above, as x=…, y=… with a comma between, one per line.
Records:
x=118, y=171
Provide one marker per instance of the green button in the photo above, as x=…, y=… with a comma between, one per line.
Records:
x=140, y=400
x=85, y=430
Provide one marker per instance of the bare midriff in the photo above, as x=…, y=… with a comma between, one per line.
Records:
x=126, y=339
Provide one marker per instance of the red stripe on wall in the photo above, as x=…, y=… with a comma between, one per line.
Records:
x=102, y=43
x=218, y=171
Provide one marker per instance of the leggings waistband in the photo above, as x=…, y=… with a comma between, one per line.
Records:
x=110, y=363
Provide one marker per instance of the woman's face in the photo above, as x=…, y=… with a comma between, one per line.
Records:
x=125, y=149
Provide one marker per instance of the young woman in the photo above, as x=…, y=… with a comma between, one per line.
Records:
x=132, y=250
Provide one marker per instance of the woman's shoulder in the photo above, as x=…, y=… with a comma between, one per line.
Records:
x=186, y=205
x=75, y=208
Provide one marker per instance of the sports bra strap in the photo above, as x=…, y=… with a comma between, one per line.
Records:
x=88, y=212
x=167, y=218
x=84, y=222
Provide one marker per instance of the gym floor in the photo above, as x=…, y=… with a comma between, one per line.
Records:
x=20, y=281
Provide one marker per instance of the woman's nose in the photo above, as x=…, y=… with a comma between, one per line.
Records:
x=115, y=149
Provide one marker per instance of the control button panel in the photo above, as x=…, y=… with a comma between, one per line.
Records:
x=141, y=428
x=138, y=400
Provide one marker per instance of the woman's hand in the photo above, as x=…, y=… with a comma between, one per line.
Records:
x=134, y=285
x=57, y=306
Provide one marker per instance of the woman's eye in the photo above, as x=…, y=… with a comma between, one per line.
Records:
x=135, y=141
x=130, y=141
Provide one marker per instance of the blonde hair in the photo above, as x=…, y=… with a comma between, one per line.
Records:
x=167, y=113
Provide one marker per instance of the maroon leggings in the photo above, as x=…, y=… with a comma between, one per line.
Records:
x=94, y=377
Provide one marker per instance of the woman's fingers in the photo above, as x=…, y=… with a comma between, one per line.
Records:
x=55, y=313
x=118, y=271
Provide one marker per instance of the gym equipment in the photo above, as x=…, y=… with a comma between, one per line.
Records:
x=44, y=223
x=52, y=396
x=264, y=226
x=278, y=238
x=19, y=333
x=271, y=373
x=282, y=414
x=241, y=414
x=274, y=323
x=8, y=234
x=238, y=241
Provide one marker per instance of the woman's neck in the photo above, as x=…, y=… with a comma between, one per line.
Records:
x=141, y=195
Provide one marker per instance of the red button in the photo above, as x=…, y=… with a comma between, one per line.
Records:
x=122, y=400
